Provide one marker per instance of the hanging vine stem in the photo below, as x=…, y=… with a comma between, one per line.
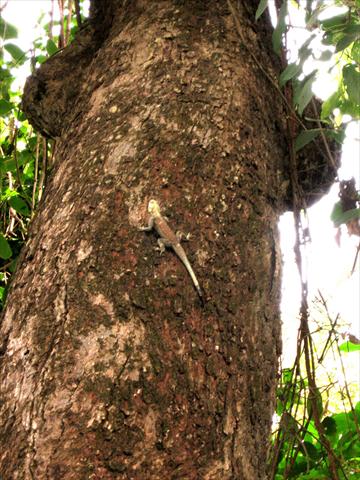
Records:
x=51, y=23
x=68, y=21
x=78, y=13
x=44, y=168
x=62, y=35
x=355, y=259
x=36, y=173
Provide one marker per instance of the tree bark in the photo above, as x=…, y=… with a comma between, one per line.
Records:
x=110, y=366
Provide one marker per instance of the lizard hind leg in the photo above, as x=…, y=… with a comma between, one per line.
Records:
x=181, y=236
x=163, y=243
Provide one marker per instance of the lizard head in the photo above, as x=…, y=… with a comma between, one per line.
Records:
x=154, y=208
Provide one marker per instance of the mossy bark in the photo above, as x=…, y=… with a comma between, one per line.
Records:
x=110, y=366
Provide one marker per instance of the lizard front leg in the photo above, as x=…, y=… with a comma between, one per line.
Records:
x=149, y=227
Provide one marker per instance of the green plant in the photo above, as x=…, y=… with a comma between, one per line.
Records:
x=25, y=156
x=312, y=441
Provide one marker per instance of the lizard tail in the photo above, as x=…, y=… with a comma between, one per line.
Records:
x=200, y=293
x=195, y=281
x=182, y=255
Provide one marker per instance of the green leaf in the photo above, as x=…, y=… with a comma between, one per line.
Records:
x=5, y=107
x=280, y=29
x=315, y=475
x=355, y=52
x=8, y=164
x=330, y=104
x=339, y=21
x=7, y=30
x=2, y=290
x=329, y=425
x=19, y=205
x=261, y=8
x=349, y=347
x=309, y=450
x=304, y=93
x=12, y=265
x=352, y=30
x=51, y=47
x=338, y=216
x=342, y=422
x=344, y=42
x=352, y=448
x=17, y=54
x=348, y=107
x=305, y=137
x=5, y=250
x=41, y=58
x=290, y=71
x=352, y=83
x=337, y=135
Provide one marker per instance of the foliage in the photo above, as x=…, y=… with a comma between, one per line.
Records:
x=300, y=450
x=24, y=154
x=300, y=444
x=340, y=45
x=312, y=441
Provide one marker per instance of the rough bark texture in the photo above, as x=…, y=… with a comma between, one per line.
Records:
x=110, y=367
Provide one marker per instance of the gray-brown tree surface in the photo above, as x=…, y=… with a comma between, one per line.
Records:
x=110, y=367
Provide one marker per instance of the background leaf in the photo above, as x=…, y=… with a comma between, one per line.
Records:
x=352, y=83
x=355, y=51
x=349, y=347
x=304, y=93
x=5, y=107
x=261, y=8
x=19, y=205
x=5, y=250
x=7, y=30
x=338, y=216
x=330, y=104
x=51, y=47
x=305, y=137
x=290, y=71
x=17, y=54
x=280, y=29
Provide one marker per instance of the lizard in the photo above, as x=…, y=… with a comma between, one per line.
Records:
x=169, y=239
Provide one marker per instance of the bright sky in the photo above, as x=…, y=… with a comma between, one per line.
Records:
x=329, y=265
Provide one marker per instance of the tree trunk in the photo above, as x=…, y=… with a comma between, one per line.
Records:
x=111, y=368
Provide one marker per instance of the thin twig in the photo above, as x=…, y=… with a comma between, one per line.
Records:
x=51, y=23
x=61, y=12
x=78, y=13
x=68, y=22
x=4, y=6
x=36, y=170
x=330, y=156
x=355, y=260
x=43, y=169
x=18, y=177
